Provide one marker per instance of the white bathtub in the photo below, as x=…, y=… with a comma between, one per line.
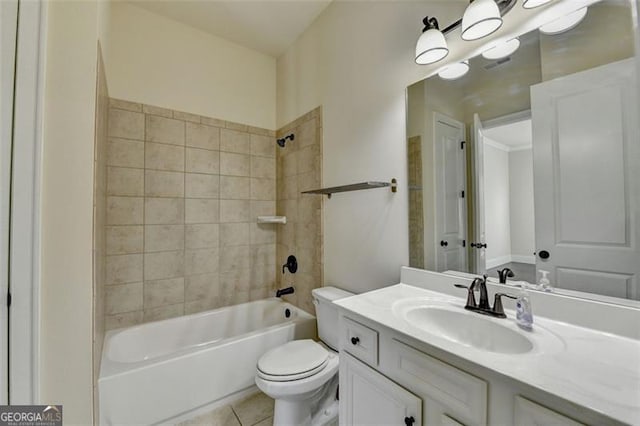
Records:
x=158, y=371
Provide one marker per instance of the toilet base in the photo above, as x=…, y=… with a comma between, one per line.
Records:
x=319, y=409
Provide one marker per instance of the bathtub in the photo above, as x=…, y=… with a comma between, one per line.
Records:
x=168, y=369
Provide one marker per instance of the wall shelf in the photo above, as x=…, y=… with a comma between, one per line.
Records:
x=355, y=187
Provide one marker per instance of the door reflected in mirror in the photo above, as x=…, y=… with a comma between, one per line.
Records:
x=532, y=162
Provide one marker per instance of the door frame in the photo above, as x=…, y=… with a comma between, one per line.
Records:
x=439, y=117
x=24, y=248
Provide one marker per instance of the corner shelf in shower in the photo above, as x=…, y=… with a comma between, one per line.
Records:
x=272, y=219
x=355, y=187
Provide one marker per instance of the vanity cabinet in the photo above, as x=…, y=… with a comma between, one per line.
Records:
x=367, y=397
x=387, y=378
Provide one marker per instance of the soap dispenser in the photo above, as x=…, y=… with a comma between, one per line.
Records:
x=524, y=314
x=544, y=284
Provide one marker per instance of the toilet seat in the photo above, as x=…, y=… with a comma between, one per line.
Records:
x=292, y=361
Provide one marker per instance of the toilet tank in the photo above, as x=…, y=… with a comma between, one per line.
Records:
x=327, y=313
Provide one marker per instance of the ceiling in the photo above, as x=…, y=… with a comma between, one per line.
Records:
x=514, y=135
x=268, y=26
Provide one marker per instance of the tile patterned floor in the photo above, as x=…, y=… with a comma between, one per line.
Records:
x=254, y=410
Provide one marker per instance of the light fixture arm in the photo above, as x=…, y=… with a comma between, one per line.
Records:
x=504, y=5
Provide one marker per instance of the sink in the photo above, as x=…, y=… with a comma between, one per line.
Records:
x=469, y=329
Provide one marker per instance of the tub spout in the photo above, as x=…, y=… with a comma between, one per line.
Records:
x=284, y=291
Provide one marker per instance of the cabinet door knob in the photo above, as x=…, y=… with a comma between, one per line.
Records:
x=409, y=421
x=355, y=340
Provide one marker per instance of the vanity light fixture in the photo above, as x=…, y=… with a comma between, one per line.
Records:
x=454, y=71
x=431, y=46
x=565, y=23
x=530, y=4
x=502, y=50
x=481, y=18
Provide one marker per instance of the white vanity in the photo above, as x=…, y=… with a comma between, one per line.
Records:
x=412, y=355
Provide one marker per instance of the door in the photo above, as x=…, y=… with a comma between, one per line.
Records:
x=586, y=180
x=450, y=182
x=8, y=29
x=369, y=398
x=479, y=243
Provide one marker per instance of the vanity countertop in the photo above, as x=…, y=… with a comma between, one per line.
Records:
x=594, y=369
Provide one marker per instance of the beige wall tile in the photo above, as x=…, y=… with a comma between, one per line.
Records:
x=201, y=261
x=163, y=238
x=290, y=164
x=124, y=211
x=202, y=186
x=308, y=181
x=125, y=153
x=236, y=126
x=262, y=208
x=234, y=281
x=234, y=211
x=163, y=292
x=125, y=181
x=234, y=188
x=123, y=298
x=263, y=189
x=179, y=115
x=235, y=164
x=289, y=208
x=202, y=235
x=215, y=122
x=126, y=105
x=263, y=167
x=163, y=184
x=309, y=159
x=307, y=135
x=126, y=124
x=263, y=276
x=234, y=141
x=290, y=189
x=126, y=319
x=259, y=294
x=169, y=264
x=202, y=211
x=308, y=207
x=163, y=312
x=307, y=234
x=202, y=287
x=234, y=234
x=262, y=132
x=164, y=211
x=202, y=305
x=125, y=268
x=164, y=130
x=235, y=258
x=263, y=254
x=264, y=146
x=203, y=161
x=154, y=110
x=124, y=239
x=202, y=136
x=164, y=157
x=262, y=233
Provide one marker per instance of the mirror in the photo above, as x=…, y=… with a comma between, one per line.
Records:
x=532, y=162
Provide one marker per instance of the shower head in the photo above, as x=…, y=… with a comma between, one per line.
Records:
x=281, y=142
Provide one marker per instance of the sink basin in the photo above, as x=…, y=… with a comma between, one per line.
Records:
x=469, y=329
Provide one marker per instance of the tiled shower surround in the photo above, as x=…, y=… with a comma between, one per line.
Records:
x=183, y=195
x=300, y=169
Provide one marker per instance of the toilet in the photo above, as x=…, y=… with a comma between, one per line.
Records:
x=302, y=375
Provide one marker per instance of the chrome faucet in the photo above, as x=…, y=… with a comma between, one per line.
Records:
x=483, y=306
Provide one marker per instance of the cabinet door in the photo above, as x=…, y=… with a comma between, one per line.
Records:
x=369, y=398
x=527, y=413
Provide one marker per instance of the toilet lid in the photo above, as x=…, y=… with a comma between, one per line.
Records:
x=293, y=358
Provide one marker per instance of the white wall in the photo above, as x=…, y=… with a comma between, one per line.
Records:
x=67, y=207
x=496, y=205
x=158, y=61
x=356, y=61
x=521, y=205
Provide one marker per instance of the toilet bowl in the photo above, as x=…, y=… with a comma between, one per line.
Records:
x=302, y=375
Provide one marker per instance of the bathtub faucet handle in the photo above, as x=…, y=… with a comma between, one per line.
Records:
x=284, y=291
x=291, y=265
